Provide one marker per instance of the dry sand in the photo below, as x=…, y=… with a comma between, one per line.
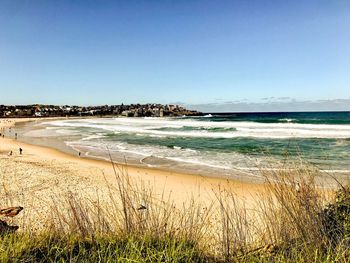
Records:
x=40, y=175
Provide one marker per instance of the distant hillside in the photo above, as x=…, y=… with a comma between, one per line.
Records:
x=132, y=110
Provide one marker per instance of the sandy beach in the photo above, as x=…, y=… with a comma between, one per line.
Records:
x=40, y=175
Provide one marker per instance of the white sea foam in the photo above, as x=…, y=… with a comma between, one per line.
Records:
x=196, y=162
x=94, y=136
x=287, y=120
x=155, y=127
x=177, y=154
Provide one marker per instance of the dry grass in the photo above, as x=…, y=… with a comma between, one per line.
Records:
x=137, y=225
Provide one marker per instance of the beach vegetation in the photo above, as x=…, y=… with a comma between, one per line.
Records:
x=294, y=221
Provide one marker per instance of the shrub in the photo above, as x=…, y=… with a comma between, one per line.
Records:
x=336, y=217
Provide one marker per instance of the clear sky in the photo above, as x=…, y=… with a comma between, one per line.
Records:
x=194, y=52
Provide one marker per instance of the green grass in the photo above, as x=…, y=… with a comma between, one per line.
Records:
x=22, y=248
x=45, y=248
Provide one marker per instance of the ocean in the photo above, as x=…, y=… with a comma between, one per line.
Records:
x=220, y=143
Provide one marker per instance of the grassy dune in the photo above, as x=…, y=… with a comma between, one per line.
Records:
x=295, y=222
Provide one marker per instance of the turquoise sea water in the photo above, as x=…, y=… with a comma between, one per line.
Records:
x=230, y=141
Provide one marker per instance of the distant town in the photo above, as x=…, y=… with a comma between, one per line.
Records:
x=132, y=110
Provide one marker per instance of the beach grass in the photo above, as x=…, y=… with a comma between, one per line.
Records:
x=296, y=221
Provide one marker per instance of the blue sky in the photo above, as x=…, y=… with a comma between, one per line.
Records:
x=193, y=52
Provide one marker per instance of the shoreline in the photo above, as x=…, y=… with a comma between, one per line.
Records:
x=239, y=176
x=73, y=172
x=252, y=175
x=184, y=168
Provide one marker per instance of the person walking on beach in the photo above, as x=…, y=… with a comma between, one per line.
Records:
x=20, y=151
x=10, y=153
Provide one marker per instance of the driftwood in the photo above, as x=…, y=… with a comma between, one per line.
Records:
x=11, y=211
x=5, y=228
